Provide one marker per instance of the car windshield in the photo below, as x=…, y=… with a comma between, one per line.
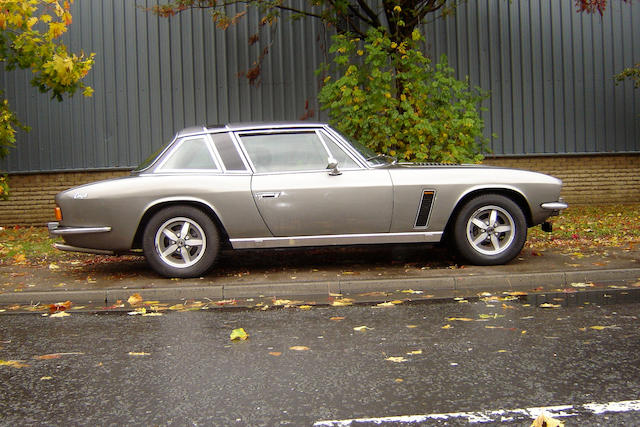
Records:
x=373, y=158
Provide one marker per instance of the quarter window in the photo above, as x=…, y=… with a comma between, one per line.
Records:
x=190, y=154
x=286, y=151
x=344, y=161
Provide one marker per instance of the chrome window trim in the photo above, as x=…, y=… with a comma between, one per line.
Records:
x=284, y=130
x=176, y=146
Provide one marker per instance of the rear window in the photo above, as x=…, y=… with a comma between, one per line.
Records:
x=190, y=154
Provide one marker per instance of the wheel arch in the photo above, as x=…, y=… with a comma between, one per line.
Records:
x=157, y=206
x=510, y=193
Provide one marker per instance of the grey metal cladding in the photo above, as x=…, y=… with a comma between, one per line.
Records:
x=548, y=68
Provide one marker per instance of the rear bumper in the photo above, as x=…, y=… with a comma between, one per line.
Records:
x=56, y=230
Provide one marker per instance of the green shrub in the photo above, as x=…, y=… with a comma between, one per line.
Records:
x=391, y=98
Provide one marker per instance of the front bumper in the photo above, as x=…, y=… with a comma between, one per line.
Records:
x=555, y=207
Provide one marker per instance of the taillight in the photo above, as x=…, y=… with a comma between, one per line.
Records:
x=58, y=213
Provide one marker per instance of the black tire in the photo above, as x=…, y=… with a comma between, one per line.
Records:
x=503, y=238
x=172, y=254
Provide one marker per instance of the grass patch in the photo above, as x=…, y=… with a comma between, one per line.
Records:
x=588, y=227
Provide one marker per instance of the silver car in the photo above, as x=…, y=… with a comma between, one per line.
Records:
x=292, y=185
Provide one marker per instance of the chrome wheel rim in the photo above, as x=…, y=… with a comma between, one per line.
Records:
x=491, y=230
x=180, y=242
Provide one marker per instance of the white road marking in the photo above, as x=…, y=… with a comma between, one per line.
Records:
x=498, y=415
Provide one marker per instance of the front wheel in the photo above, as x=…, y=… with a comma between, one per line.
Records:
x=490, y=229
x=180, y=241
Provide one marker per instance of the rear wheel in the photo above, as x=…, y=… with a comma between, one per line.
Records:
x=180, y=241
x=490, y=229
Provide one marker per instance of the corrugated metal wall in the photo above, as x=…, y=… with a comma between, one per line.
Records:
x=548, y=68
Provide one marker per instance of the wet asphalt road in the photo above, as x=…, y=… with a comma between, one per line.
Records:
x=182, y=369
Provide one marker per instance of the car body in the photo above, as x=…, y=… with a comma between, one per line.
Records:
x=297, y=184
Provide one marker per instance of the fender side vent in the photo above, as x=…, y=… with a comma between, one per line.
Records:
x=425, y=208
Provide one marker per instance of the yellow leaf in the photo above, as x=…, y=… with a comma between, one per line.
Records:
x=342, y=302
x=415, y=352
x=138, y=353
x=13, y=363
x=549, y=305
x=54, y=266
x=305, y=307
x=386, y=304
x=336, y=318
x=238, y=334
x=46, y=378
x=600, y=328
x=134, y=299
x=411, y=291
x=396, y=302
x=361, y=328
x=60, y=314
x=399, y=380
x=447, y=327
x=412, y=326
x=396, y=359
x=275, y=353
x=155, y=313
x=460, y=319
x=299, y=348
x=545, y=420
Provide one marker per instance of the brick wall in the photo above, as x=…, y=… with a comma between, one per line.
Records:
x=31, y=195
x=587, y=179
x=590, y=179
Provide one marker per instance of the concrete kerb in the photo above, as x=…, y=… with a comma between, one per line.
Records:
x=446, y=287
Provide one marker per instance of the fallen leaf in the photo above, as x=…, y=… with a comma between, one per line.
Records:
x=396, y=359
x=411, y=291
x=459, y=319
x=48, y=356
x=139, y=310
x=275, y=353
x=299, y=348
x=60, y=314
x=386, y=304
x=518, y=294
x=13, y=363
x=412, y=326
x=336, y=318
x=545, y=420
x=447, y=327
x=361, y=328
x=54, y=266
x=503, y=351
x=46, y=378
x=549, y=305
x=342, y=302
x=415, y=352
x=138, y=353
x=134, y=299
x=582, y=285
x=238, y=334
x=600, y=328
x=398, y=380
x=152, y=314
x=396, y=302
x=304, y=307
x=59, y=306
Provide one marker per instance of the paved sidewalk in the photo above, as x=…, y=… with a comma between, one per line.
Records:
x=373, y=273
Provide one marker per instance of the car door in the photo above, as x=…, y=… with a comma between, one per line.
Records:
x=298, y=196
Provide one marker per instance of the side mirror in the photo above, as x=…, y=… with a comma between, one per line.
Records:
x=333, y=165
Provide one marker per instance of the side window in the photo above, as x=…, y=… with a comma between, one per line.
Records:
x=190, y=154
x=286, y=151
x=228, y=152
x=344, y=161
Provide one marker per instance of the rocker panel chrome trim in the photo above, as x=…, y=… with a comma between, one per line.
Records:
x=335, y=240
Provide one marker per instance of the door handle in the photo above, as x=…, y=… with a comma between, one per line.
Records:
x=269, y=195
